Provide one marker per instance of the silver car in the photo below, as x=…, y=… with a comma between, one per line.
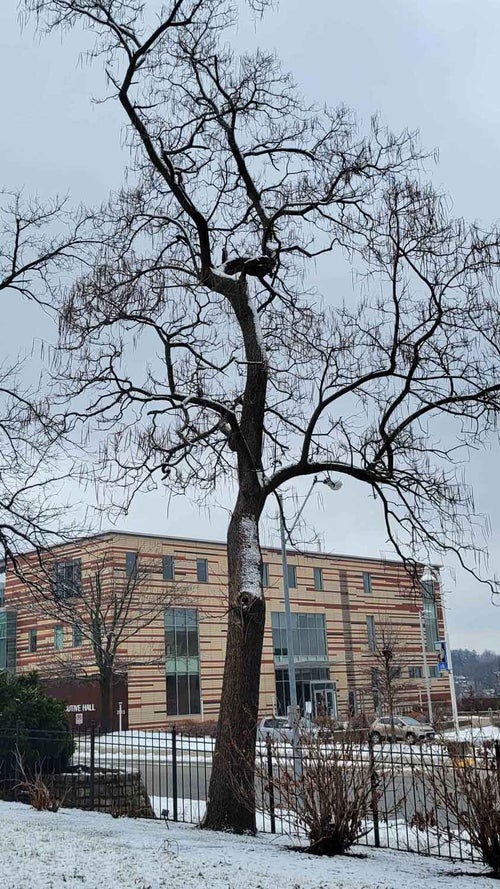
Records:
x=401, y=728
x=279, y=729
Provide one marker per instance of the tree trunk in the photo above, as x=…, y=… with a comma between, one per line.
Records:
x=106, y=690
x=231, y=799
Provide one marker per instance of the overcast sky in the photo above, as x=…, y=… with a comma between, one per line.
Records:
x=432, y=65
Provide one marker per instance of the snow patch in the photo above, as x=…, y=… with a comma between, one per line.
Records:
x=251, y=580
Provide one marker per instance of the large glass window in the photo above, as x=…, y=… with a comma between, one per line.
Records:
x=309, y=636
x=182, y=661
x=68, y=579
x=430, y=615
x=8, y=630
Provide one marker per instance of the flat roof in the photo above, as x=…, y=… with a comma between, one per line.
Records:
x=306, y=552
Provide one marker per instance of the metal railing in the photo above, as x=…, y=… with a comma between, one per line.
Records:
x=413, y=793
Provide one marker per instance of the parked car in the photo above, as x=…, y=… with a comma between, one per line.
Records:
x=279, y=729
x=401, y=728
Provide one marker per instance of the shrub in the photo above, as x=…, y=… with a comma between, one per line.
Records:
x=467, y=786
x=331, y=798
x=33, y=727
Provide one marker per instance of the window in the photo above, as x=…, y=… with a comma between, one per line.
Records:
x=308, y=636
x=202, y=570
x=265, y=574
x=415, y=672
x=8, y=630
x=77, y=636
x=367, y=582
x=370, y=629
x=292, y=576
x=430, y=615
x=168, y=568
x=58, y=638
x=2, y=593
x=32, y=641
x=67, y=579
x=318, y=578
x=182, y=662
x=131, y=561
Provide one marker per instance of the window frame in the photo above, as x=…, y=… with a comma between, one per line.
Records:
x=168, y=567
x=292, y=576
x=131, y=563
x=371, y=633
x=182, y=665
x=318, y=579
x=59, y=636
x=199, y=562
x=265, y=574
x=67, y=578
x=367, y=583
x=32, y=638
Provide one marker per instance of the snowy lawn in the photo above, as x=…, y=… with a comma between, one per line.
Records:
x=86, y=849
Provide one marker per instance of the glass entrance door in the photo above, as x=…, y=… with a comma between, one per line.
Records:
x=324, y=698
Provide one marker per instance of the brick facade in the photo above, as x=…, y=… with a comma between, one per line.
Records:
x=344, y=603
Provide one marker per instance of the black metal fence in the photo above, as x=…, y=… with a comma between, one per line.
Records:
x=417, y=797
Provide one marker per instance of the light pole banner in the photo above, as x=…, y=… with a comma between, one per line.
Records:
x=442, y=656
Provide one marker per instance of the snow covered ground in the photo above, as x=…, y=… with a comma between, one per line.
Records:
x=42, y=850
x=475, y=734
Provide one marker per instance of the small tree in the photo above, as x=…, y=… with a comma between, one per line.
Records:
x=33, y=726
x=108, y=610
x=386, y=671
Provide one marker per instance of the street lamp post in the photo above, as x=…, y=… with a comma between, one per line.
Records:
x=294, y=708
x=428, y=575
x=427, y=675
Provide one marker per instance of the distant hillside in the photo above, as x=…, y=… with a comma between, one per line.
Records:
x=480, y=672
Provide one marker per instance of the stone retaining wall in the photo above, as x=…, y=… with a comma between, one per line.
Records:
x=115, y=792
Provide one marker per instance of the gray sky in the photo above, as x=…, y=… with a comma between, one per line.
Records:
x=431, y=65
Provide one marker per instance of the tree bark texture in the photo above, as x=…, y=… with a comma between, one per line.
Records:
x=231, y=802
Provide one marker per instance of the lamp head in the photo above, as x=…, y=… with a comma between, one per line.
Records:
x=333, y=485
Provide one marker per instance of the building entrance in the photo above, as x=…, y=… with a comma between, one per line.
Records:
x=313, y=685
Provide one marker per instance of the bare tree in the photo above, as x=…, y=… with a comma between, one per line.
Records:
x=239, y=194
x=38, y=244
x=386, y=670
x=108, y=610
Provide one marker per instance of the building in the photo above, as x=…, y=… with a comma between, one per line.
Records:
x=172, y=668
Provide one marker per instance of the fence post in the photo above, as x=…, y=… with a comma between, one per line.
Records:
x=174, y=772
x=92, y=768
x=374, y=793
x=270, y=785
x=17, y=773
x=497, y=761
